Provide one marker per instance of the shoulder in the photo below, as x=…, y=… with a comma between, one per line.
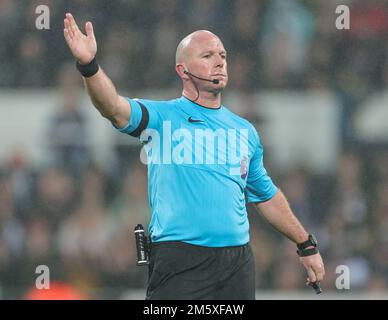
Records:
x=241, y=122
x=156, y=103
x=162, y=108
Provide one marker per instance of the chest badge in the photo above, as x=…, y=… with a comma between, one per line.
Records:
x=243, y=168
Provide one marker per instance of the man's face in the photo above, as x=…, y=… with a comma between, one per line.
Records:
x=207, y=59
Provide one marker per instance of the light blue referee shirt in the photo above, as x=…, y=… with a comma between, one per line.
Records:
x=201, y=164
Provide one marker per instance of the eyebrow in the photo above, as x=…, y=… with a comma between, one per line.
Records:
x=212, y=51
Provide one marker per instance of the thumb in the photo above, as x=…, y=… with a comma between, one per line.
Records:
x=89, y=29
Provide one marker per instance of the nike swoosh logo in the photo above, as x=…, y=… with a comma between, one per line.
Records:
x=194, y=120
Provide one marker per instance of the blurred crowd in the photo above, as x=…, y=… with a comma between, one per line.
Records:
x=78, y=218
x=81, y=224
x=271, y=44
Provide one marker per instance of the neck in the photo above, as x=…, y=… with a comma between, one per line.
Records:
x=205, y=98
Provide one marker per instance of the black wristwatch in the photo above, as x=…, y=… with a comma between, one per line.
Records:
x=310, y=242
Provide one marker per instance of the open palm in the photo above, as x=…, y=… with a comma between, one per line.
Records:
x=83, y=47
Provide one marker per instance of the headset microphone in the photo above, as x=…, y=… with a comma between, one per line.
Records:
x=215, y=81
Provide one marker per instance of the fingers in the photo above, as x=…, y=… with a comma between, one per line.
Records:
x=72, y=29
x=89, y=29
x=319, y=271
x=311, y=276
x=67, y=31
x=315, y=275
x=72, y=23
x=67, y=36
x=314, y=267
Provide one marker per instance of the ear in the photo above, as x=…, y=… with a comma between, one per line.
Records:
x=181, y=70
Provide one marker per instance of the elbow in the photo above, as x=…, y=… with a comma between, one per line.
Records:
x=113, y=118
x=106, y=110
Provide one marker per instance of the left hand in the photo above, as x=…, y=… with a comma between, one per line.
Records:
x=315, y=268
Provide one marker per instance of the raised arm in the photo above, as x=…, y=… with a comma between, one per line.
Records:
x=100, y=88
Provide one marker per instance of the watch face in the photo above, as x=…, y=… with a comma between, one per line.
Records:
x=313, y=240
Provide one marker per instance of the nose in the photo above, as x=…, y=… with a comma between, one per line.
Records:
x=220, y=62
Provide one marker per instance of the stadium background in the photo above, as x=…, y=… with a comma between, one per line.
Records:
x=72, y=189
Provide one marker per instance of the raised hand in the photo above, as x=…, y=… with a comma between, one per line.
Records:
x=83, y=47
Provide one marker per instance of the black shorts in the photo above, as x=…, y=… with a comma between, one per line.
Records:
x=182, y=271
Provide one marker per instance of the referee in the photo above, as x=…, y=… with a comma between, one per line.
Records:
x=199, y=227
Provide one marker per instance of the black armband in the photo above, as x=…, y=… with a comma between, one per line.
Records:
x=143, y=123
x=88, y=70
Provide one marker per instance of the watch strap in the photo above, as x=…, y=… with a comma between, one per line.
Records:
x=307, y=252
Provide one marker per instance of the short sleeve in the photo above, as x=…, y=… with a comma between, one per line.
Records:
x=144, y=114
x=259, y=186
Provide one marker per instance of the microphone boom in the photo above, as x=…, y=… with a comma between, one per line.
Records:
x=215, y=81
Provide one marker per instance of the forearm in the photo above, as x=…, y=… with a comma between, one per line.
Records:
x=103, y=94
x=279, y=214
x=100, y=88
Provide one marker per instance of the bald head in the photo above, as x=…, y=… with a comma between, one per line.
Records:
x=193, y=42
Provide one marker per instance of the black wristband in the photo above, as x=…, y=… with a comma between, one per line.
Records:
x=88, y=70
